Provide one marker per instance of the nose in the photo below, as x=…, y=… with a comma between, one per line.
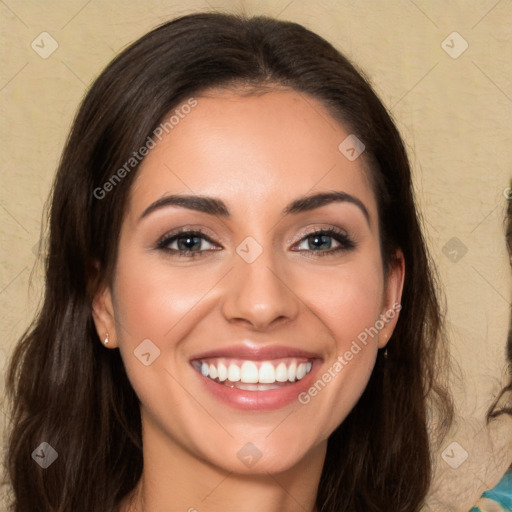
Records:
x=258, y=294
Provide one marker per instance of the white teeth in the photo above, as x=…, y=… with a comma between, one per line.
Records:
x=255, y=372
x=301, y=371
x=267, y=373
x=281, y=373
x=233, y=373
x=213, y=372
x=249, y=373
x=292, y=369
x=223, y=372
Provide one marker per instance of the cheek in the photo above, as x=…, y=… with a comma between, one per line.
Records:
x=153, y=299
x=164, y=304
x=347, y=300
x=156, y=303
x=348, y=304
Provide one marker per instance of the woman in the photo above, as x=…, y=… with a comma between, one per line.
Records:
x=240, y=312
x=499, y=498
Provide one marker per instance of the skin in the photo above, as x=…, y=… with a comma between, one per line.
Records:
x=257, y=153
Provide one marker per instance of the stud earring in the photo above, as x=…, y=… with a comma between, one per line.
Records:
x=106, y=339
x=386, y=337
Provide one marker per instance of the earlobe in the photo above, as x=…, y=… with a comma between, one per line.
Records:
x=104, y=318
x=392, y=300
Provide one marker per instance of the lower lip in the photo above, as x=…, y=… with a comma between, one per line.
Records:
x=259, y=400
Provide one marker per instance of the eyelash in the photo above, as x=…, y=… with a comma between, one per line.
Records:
x=341, y=237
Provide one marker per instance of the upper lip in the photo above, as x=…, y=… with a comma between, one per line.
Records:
x=256, y=353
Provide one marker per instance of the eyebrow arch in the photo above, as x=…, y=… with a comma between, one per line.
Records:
x=308, y=203
x=213, y=206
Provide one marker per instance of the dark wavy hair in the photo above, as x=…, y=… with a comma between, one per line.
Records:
x=503, y=402
x=67, y=390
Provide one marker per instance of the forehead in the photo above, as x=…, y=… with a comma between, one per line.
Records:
x=254, y=151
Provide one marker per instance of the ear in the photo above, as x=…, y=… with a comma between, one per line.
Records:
x=104, y=317
x=392, y=296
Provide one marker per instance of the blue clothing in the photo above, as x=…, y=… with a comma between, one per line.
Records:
x=497, y=498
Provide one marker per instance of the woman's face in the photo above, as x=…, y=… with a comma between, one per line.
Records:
x=250, y=336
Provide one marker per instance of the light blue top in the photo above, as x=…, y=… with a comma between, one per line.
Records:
x=498, y=496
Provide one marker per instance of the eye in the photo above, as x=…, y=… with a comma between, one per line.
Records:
x=191, y=243
x=185, y=243
x=321, y=242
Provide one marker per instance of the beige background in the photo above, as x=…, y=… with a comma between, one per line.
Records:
x=454, y=113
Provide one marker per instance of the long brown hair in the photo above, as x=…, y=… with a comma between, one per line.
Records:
x=68, y=391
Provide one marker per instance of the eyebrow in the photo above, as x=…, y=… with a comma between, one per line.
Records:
x=214, y=206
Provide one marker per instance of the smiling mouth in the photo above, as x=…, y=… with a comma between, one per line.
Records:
x=254, y=375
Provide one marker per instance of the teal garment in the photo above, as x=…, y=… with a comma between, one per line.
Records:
x=499, y=496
